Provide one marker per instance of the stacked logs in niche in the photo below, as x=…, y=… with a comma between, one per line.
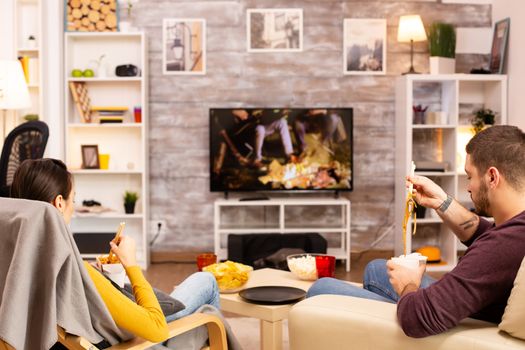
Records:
x=92, y=15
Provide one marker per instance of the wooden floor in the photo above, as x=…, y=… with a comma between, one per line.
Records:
x=165, y=276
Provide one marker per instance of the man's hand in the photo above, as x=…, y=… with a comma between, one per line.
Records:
x=125, y=251
x=427, y=192
x=400, y=277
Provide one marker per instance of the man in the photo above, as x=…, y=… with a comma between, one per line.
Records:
x=480, y=284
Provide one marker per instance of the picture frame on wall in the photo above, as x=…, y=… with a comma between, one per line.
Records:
x=499, y=46
x=184, y=46
x=364, y=46
x=90, y=159
x=274, y=30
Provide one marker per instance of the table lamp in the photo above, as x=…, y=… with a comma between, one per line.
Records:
x=411, y=29
x=13, y=89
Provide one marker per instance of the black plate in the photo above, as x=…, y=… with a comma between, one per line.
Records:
x=272, y=295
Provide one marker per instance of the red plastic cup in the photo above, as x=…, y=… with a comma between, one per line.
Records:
x=205, y=259
x=137, y=113
x=325, y=265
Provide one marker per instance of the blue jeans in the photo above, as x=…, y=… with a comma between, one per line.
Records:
x=376, y=285
x=197, y=290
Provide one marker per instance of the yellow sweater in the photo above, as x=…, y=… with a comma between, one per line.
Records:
x=145, y=318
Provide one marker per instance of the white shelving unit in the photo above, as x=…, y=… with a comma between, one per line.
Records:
x=28, y=22
x=458, y=96
x=126, y=142
x=277, y=216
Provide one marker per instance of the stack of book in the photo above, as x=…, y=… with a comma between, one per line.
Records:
x=109, y=114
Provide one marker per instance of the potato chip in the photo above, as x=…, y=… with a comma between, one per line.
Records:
x=229, y=275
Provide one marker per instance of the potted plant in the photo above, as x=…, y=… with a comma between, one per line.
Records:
x=130, y=198
x=442, y=47
x=482, y=118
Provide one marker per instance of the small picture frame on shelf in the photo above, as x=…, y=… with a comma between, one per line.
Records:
x=90, y=158
x=274, y=30
x=184, y=46
x=364, y=46
x=499, y=46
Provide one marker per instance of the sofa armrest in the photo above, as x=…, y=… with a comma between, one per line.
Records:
x=342, y=322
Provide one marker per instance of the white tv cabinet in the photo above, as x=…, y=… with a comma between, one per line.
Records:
x=280, y=215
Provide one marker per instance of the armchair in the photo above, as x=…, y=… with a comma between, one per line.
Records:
x=44, y=285
x=341, y=322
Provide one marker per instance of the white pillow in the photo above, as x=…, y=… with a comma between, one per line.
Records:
x=513, y=320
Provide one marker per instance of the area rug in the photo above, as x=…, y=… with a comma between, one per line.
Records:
x=247, y=331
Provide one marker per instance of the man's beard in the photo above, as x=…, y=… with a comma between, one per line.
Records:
x=482, y=204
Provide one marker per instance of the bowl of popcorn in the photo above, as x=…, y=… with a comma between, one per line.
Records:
x=303, y=266
x=230, y=276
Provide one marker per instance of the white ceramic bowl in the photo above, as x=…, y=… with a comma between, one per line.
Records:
x=303, y=266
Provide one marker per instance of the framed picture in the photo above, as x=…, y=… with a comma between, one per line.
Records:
x=274, y=30
x=499, y=46
x=184, y=46
x=364, y=46
x=90, y=158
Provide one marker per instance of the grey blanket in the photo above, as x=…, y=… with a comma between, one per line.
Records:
x=43, y=281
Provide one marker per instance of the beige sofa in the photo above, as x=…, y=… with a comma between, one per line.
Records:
x=340, y=322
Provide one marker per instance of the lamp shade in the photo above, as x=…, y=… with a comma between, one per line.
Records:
x=13, y=88
x=411, y=28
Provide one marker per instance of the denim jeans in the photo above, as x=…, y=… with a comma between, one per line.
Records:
x=197, y=290
x=376, y=285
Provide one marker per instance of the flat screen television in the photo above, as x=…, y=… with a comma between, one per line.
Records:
x=281, y=149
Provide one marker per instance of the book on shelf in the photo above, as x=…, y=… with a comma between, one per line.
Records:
x=81, y=98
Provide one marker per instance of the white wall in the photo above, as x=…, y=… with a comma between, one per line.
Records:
x=515, y=56
x=6, y=30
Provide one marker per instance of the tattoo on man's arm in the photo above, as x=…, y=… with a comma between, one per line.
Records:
x=446, y=203
x=469, y=223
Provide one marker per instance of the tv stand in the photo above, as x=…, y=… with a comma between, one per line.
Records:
x=284, y=215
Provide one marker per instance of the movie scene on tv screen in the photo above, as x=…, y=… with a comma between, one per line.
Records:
x=281, y=149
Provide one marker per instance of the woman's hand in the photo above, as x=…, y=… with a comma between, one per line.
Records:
x=125, y=251
x=426, y=192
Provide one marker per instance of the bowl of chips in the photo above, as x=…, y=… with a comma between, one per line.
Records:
x=230, y=276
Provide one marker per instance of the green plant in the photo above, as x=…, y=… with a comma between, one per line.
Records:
x=30, y=117
x=442, y=40
x=130, y=197
x=130, y=6
x=482, y=117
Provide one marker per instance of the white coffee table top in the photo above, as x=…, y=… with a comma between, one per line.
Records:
x=264, y=277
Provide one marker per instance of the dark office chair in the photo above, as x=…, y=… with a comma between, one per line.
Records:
x=26, y=141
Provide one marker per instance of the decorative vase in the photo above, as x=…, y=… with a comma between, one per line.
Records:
x=442, y=65
x=124, y=26
x=129, y=208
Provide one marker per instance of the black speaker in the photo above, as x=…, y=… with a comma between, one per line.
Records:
x=127, y=70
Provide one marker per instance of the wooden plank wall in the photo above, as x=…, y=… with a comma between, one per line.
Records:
x=179, y=104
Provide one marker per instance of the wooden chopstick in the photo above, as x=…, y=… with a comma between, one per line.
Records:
x=115, y=240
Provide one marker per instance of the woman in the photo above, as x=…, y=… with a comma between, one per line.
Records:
x=48, y=180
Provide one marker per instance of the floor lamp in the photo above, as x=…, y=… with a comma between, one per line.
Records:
x=13, y=89
x=411, y=29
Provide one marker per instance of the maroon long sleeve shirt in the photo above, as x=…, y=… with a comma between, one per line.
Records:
x=477, y=287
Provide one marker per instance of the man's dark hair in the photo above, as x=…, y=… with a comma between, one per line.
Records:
x=503, y=147
x=41, y=180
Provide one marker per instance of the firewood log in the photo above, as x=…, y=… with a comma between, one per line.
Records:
x=75, y=4
x=77, y=13
x=94, y=16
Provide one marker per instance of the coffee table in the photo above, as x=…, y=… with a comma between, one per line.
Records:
x=271, y=316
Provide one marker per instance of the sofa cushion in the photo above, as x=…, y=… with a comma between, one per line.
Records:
x=513, y=320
